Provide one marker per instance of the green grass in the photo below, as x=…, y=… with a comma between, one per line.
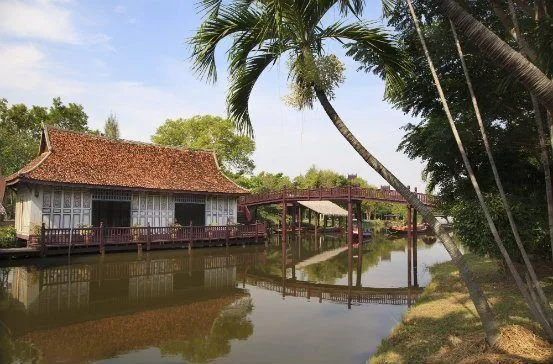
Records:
x=443, y=326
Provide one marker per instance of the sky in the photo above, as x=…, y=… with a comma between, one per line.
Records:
x=131, y=58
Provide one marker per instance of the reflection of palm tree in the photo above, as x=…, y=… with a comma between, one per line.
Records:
x=232, y=323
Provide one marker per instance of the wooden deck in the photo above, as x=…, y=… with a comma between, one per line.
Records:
x=103, y=239
x=333, y=194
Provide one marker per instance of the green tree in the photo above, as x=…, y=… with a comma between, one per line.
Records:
x=111, y=127
x=20, y=128
x=267, y=30
x=234, y=151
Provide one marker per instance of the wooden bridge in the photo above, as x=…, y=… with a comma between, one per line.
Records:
x=336, y=293
x=333, y=194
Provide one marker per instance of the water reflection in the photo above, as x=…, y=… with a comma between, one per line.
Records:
x=236, y=304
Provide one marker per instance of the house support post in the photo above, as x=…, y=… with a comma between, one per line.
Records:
x=102, y=239
x=227, y=235
x=148, y=237
x=409, y=244
x=190, y=237
x=42, y=241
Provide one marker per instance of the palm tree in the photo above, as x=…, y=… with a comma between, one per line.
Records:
x=535, y=309
x=500, y=53
x=535, y=283
x=264, y=31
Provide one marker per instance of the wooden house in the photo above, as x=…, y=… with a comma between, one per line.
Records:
x=83, y=180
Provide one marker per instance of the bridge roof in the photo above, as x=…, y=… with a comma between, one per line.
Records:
x=324, y=207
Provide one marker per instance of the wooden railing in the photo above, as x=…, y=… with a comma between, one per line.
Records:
x=146, y=235
x=334, y=193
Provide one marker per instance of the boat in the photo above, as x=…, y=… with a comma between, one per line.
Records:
x=367, y=233
x=396, y=229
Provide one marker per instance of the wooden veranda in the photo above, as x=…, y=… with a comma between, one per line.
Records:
x=106, y=239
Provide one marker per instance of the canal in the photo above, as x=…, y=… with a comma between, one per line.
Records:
x=228, y=305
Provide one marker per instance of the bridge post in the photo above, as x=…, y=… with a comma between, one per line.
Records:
x=283, y=221
x=359, y=223
x=300, y=219
x=294, y=219
x=409, y=243
x=350, y=249
x=317, y=230
x=415, y=265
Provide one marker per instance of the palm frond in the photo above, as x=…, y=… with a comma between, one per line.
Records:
x=373, y=48
x=231, y=20
x=241, y=85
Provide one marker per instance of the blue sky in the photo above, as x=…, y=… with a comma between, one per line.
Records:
x=130, y=58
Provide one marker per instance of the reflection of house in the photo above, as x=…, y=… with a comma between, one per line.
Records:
x=63, y=289
x=81, y=179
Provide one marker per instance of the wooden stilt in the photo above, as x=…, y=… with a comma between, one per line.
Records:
x=42, y=241
x=300, y=221
x=415, y=238
x=350, y=250
x=316, y=230
x=409, y=243
x=359, y=216
x=102, y=239
x=283, y=221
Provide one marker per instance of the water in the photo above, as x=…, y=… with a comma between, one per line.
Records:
x=222, y=305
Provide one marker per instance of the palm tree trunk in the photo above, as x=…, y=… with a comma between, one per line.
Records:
x=475, y=291
x=506, y=205
x=546, y=166
x=500, y=52
x=536, y=312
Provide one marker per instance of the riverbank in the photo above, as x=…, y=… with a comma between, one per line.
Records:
x=443, y=326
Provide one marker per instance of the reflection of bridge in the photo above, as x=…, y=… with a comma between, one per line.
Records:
x=336, y=293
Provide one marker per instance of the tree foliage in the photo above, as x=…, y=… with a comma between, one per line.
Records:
x=20, y=128
x=111, y=127
x=507, y=114
x=234, y=151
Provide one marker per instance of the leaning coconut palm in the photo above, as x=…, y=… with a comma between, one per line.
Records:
x=535, y=308
x=264, y=31
x=500, y=53
x=506, y=205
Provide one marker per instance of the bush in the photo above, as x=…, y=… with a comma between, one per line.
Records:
x=7, y=237
x=530, y=216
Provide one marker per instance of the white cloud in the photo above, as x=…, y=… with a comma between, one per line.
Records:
x=46, y=20
x=120, y=9
x=40, y=20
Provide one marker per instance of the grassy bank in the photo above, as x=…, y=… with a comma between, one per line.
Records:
x=443, y=326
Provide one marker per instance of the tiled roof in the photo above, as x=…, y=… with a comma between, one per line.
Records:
x=84, y=159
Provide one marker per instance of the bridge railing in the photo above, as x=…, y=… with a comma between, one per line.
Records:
x=336, y=193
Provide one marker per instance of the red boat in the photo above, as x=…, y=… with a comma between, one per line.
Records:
x=421, y=229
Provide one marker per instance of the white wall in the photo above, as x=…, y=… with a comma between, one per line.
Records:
x=220, y=210
x=27, y=210
x=58, y=207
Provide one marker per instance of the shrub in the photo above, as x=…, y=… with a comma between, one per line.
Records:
x=7, y=236
x=531, y=218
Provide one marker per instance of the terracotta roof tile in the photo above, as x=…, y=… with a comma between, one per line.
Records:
x=86, y=159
